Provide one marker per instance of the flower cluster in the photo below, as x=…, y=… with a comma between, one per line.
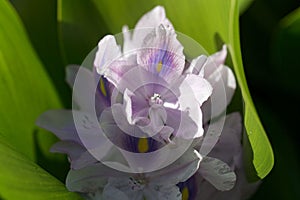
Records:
x=149, y=124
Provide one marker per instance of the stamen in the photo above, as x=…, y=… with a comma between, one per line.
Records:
x=136, y=184
x=155, y=99
x=102, y=87
x=159, y=66
x=185, y=193
x=143, y=145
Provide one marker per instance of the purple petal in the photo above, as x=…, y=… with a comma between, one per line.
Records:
x=229, y=146
x=61, y=123
x=79, y=157
x=86, y=91
x=184, y=126
x=83, y=86
x=162, y=54
x=189, y=189
x=129, y=138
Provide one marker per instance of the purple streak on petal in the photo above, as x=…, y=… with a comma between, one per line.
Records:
x=189, y=188
x=122, y=139
x=132, y=144
x=162, y=53
x=103, y=93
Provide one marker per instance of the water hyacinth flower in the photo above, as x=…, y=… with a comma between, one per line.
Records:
x=141, y=123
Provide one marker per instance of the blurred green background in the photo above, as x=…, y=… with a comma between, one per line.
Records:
x=270, y=41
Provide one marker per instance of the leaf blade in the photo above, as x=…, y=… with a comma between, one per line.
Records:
x=20, y=178
x=26, y=91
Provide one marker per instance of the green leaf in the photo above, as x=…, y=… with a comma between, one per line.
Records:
x=20, y=178
x=263, y=158
x=80, y=28
x=25, y=88
x=39, y=19
x=287, y=168
x=204, y=21
x=244, y=5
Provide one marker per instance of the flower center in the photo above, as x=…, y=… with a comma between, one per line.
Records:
x=136, y=184
x=155, y=99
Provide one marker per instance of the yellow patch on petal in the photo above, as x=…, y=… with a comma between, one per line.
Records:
x=143, y=145
x=102, y=87
x=159, y=66
x=185, y=193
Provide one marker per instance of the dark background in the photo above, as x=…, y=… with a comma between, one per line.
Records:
x=271, y=59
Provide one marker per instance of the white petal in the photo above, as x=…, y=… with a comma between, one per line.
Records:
x=127, y=40
x=127, y=106
x=153, y=18
x=157, y=116
x=221, y=79
x=169, y=192
x=179, y=171
x=108, y=51
x=194, y=91
x=112, y=193
x=109, y=61
x=217, y=173
x=120, y=117
x=119, y=188
x=197, y=65
x=90, y=178
x=223, y=83
x=144, y=26
x=220, y=57
x=200, y=87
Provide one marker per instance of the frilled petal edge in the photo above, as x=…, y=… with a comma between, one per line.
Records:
x=217, y=173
